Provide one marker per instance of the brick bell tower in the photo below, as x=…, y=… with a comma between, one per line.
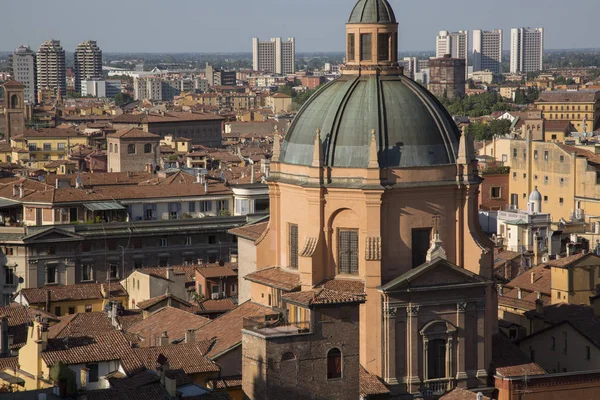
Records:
x=14, y=99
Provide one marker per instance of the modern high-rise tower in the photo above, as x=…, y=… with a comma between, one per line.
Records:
x=275, y=56
x=456, y=44
x=23, y=70
x=88, y=63
x=526, y=50
x=487, y=50
x=51, y=70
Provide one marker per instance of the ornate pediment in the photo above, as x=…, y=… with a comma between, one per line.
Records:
x=437, y=273
x=51, y=235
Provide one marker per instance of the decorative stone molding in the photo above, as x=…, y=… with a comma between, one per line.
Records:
x=310, y=245
x=390, y=311
x=461, y=307
x=373, y=249
x=412, y=311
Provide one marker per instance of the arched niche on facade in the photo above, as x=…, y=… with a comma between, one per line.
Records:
x=438, y=338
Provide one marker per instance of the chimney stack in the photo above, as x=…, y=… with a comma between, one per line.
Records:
x=21, y=191
x=4, y=347
x=206, y=186
x=164, y=339
x=190, y=336
x=539, y=307
x=15, y=190
x=252, y=176
x=519, y=294
x=532, y=278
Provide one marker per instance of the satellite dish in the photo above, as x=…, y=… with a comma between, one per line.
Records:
x=40, y=178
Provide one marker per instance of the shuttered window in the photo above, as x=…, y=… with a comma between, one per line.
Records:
x=293, y=246
x=348, y=252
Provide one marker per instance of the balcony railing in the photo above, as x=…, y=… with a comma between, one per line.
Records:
x=433, y=388
x=275, y=325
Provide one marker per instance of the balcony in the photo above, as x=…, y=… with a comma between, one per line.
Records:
x=434, y=388
x=274, y=325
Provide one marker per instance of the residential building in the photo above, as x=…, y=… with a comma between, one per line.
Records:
x=367, y=223
x=456, y=44
x=247, y=237
x=220, y=77
x=14, y=109
x=216, y=281
x=276, y=56
x=132, y=150
x=51, y=69
x=447, y=77
x=23, y=62
x=410, y=65
x=148, y=283
x=100, y=88
x=280, y=103
x=487, y=51
x=581, y=108
x=88, y=63
x=202, y=128
x=147, y=88
x=526, y=50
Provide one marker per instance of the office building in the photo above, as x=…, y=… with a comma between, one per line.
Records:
x=88, y=63
x=276, y=56
x=526, y=50
x=487, y=51
x=23, y=70
x=219, y=77
x=51, y=70
x=454, y=43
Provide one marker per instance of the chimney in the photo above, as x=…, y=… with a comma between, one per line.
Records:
x=519, y=294
x=48, y=300
x=206, y=186
x=171, y=386
x=190, y=336
x=252, y=177
x=85, y=378
x=532, y=277
x=539, y=307
x=164, y=339
x=507, y=270
x=170, y=274
x=4, y=347
x=21, y=191
x=15, y=190
x=113, y=313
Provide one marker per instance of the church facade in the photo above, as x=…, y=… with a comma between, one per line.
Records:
x=374, y=193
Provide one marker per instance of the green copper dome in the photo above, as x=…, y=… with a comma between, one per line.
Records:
x=372, y=12
x=412, y=128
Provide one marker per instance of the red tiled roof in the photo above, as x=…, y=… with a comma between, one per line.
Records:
x=227, y=382
x=18, y=319
x=541, y=275
x=189, y=357
x=133, y=134
x=563, y=96
x=350, y=286
x=82, y=324
x=215, y=271
x=9, y=362
x=275, y=277
x=250, y=232
x=83, y=291
x=566, y=261
x=221, y=305
x=311, y=298
x=370, y=385
x=227, y=329
x=510, y=361
x=142, y=305
x=461, y=394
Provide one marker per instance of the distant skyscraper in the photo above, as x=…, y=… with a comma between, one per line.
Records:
x=275, y=56
x=526, y=50
x=456, y=44
x=487, y=51
x=23, y=71
x=51, y=71
x=88, y=63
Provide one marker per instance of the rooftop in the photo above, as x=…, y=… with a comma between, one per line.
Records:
x=251, y=232
x=372, y=12
x=275, y=277
x=189, y=357
x=509, y=360
x=321, y=297
x=82, y=291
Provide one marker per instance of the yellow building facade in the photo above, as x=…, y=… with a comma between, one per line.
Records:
x=46, y=145
x=581, y=108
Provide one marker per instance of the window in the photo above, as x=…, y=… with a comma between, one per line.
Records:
x=192, y=206
x=86, y=272
x=110, y=148
x=588, y=353
x=163, y=242
x=188, y=240
x=535, y=154
x=131, y=149
x=420, y=244
x=561, y=158
x=351, y=46
x=531, y=354
x=233, y=288
x=288, y=356
x=496, y=192
x=561, y=201
x=524, y=176
x=514, y=153
x=552, y=343
x=554, y=137
x=50, y=274
x=348, y=252
x=436, y=359
x=535, y=177
x=545, y=199
x=88, y=308
x=116, y=148
x=205, y=206
x=57, y=311
x=93, y=372
x=10, y=276
x=515, y=175
x=545, y=180
x=147, y=148
x=212, y=239
x=365, y=47
x=71, y=310
x=334, y=364
x=223, y=205
x=546, y=156
x=47, y=146
x=293, y=245
x=383, y=46
x=113, y=271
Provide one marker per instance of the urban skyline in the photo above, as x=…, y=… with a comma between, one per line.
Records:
x=414, y=34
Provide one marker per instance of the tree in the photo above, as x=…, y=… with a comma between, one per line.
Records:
x=487, y=131
x=123, y=99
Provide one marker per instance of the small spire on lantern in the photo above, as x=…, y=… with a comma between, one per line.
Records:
x=318, y=150
x=373, y=161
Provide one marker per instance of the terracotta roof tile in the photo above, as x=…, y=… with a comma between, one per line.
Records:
x=250, y=232
x=461, y=394
x=227, y=329
x=172, y=320
x=215, y=271
x=149, y=392
x=311, y=298
x=189, y=357
x=82, y=324
x=83, y=291
x=351, y=286
x=9, y=362
x=541, y=283
x=370, y=385
x=133, y=134
x=275, y=277
x=220, y=305
x=18, y=319
x=142, y=305
x=509, y=360
x=226, y=382
x=563, y=96
x=566, y=261
x=500, y=258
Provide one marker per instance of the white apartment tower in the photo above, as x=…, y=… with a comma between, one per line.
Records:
x=487, y=51
x=51, y=70
x=454, y=43
x=276, y=56
x=88, y=63
x=23, y=71
x=526, y=50
x=148, y=88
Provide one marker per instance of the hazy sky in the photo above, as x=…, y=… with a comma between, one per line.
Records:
x=318, y=25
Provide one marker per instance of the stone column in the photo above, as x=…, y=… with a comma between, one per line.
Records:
x=461, y=349
x=389, y=348
x=449, y=372
x=482, y=374
x=413, y=381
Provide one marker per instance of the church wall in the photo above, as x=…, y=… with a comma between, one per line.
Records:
x=246, y=265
